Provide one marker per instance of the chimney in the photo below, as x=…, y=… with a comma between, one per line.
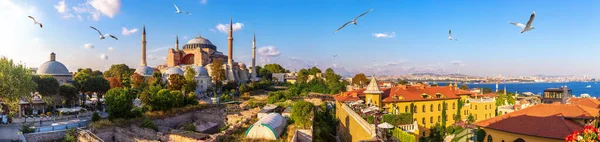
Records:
x=52, y=56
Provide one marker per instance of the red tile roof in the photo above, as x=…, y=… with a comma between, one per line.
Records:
x=589, y=102
x=544, y=120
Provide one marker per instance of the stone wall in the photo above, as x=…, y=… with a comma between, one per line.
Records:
x=45, y=136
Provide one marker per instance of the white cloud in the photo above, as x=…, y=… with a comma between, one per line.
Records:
x=88, y=46
x=151, y=57
x=61, y=7
x=108, y=7
x=111, y=48
x=269, y=51
x=458, y=63
x=225, y=27
x=384, y=35
x=104, y=57
x=96, y=8
x=158, y=49
x=125, y=31
x=203, y=1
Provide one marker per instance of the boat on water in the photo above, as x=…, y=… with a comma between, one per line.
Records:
x=589, y=86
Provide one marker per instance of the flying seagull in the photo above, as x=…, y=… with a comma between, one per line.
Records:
x=179, y=11
x=527, y=27
x=353, y=21
x=102, y=36
x=450, y=36
x=334, y=56
x=35, y=22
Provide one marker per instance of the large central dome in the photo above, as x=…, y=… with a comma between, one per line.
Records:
x=199, y=42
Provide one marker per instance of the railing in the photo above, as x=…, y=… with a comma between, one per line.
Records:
x=409, y=127
x=483, y=100
x=90, y=136
x=61, y=127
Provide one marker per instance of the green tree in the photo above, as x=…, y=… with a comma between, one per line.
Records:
x=149, y=95
x=470, y=119
x=437, y=133
x=333, y=81
x=444, y=114
x=274, y=68
x=99, y=84
x=118, y=103
x=138, y=81
x=487, y=90
x=85, y=70
x=480, y=135
x=15, y=80
x=117, y=70
x=156, y=79
x=314, y=71
x=218, y=73
x=458, y=116
x=97, y=73
x=69, y=92
x=47, y=85
x=176, y=82
x=302, y=76
x=191, y=99
x=359, y=79
x=302, y=114
x=95, y=117
x=190, y=81
x=244, y=88
x=500, y=99
x=510, y=99
x=464, y=87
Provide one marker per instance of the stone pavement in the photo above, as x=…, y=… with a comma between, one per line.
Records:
x=9, y=131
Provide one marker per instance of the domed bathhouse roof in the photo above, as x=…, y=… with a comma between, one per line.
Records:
x=199, y=42
x=200, y=71
x=144, y=71
x=174, y=70
x=53, y=67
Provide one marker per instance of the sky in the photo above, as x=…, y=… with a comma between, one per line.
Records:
x=397, y=37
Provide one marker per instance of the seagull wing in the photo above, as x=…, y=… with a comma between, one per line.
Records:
x=363, y=14
x=177, y=8
x=32, y=19
x=96, y=30
x=112, y=36
x=450, y=33
x=343, y=26
x=530, y=19
x=517, y=24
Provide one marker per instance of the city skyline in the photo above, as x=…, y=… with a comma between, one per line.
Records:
x=395, y=38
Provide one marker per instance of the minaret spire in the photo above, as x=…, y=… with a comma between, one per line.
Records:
x=177, y=42
x=253, y=57
x=144, y=46
x=230, y=38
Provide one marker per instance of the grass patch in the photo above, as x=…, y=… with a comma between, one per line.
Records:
x=456, y=139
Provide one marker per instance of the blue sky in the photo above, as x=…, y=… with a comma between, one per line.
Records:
x=563, y=43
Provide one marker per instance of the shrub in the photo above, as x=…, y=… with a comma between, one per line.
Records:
x=370, y=119
x=277, y=96
x=71, y=135
x=189, y=127
x=302, y=113
x=399, y=119
x=480, y=134
x=101, y=124
x=26, y=128
x=191, y=99
x=403, y=136
x=147, y=123
x=95, y=117
x=118, y=103
x=450, y=130
x=224, y=97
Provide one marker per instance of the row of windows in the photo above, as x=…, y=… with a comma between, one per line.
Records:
x=439, y=119
x=486, y=107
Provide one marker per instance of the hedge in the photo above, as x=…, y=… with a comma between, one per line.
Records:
x=399, y=119
x=403, y=136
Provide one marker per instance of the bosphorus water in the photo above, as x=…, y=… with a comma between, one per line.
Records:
x=577, y=88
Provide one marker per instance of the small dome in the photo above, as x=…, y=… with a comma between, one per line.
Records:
x=144, y=71
x=200, y=71
x=199, y=42
x=242, y=66
x=174, y=70
x=53, y=68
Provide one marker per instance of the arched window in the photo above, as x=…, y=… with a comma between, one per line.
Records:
x=519, y=140
x=490, y=138
x=453, y=106
x=415, y=109
x=423, y=108
x=406, y=109
x=423, y=121
x=431, y=107
x=485, y=107
x=396, y=110
x=475, y=107
x=439, y=107
x=431, y=119
x=439, y=119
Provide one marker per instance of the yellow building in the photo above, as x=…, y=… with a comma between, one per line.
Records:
x=539, y=123
x=426, y=104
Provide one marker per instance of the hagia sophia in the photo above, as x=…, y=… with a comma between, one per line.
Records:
x=199, y=53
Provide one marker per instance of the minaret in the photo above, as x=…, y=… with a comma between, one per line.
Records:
x=254, y=56
x=230, y=47
x=144, y=47
x=177, y=42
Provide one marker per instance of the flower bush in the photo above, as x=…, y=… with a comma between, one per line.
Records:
x=588, y=134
